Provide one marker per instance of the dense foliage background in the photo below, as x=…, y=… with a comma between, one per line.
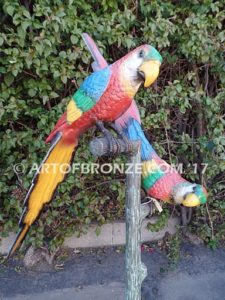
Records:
x=44, y=60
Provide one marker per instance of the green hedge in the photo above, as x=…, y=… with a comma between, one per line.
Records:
x=43, y=60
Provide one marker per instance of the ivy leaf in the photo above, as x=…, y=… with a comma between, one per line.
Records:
x=26, y=14
x=25, y=24
x=31, y=92
x=54, y=95
x=64, y=79
x=8, y=79
x=128, y=42
x=10, y=10
x=73, y=39
x=45, y=99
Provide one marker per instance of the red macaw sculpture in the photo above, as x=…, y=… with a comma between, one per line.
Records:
x=103, y=97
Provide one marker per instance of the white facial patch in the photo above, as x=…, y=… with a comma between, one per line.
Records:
x=131, y=65
x=181, y=191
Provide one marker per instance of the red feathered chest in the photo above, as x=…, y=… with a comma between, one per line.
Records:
x=115, y=100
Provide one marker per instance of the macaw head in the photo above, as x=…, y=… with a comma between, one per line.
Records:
x=142, y=65
x=189, y=194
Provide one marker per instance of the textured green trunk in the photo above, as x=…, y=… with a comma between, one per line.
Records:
x=135, y=269
x=135, y=211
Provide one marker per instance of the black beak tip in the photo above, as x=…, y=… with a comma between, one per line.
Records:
x=141, y=74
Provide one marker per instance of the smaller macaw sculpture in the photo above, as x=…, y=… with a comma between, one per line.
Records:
x=159, y=179
x=103, y=97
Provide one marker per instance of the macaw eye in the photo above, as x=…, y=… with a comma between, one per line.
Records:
x=194, y=188
x=142, y=53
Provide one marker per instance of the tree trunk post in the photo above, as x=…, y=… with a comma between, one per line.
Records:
x=136, y=271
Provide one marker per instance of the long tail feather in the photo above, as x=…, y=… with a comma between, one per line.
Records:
x=52, y=171
x=99, y=61
x=19, y=239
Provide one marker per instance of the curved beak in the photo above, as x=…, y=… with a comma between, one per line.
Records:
x=149, y=71
x=191, y=200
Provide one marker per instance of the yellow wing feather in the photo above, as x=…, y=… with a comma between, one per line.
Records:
x=149, y=167
x=73, y=112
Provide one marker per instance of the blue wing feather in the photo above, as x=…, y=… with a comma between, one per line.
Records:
x=134, y=132
x=95, y=84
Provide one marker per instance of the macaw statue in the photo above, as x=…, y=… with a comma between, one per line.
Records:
x=103, y=97
x=159, y=179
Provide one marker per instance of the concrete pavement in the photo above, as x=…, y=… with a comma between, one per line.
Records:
x=99, y=275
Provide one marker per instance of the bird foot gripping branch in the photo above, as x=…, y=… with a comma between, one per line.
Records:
x=111, y=145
